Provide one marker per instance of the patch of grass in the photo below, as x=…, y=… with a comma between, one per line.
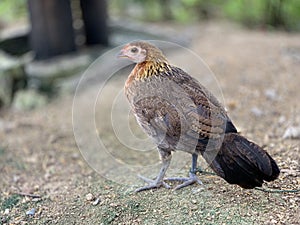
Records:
x=109, y=215
x=134, y=206
x=121, y=211
x=10, y=202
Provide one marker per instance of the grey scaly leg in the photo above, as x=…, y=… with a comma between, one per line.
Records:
x=159, y=181
x=192, y=176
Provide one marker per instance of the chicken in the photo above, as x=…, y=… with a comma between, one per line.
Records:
x=178, y=113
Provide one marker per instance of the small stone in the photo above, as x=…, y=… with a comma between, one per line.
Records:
x=96, y=202
x=89, y=197
x=271, y=94
x=25, y=199
x=6, y=211
x=75, y=156
x=292, y=132
x=197, y=190
x=16, y=178
x=257, y=112
x=273, y=221
x=36, y=200
x=36, y=187
x=282, y=120
x=31, y=212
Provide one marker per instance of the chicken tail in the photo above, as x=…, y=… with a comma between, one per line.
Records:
x=244, y=163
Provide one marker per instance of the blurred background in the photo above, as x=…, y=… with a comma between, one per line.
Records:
x=43, y=43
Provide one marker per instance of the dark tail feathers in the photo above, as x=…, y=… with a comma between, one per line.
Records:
x=244, y=163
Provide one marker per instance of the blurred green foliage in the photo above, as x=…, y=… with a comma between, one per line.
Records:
x=12, y=10
x=264, y=13
x=270, y=14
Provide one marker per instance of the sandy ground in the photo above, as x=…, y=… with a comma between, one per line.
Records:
x=43, y=169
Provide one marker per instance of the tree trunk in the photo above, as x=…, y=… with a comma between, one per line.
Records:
x=274, y=13
x=94, y=16
x=51, y=28
x=166, y=10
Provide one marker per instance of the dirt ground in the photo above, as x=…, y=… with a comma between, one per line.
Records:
x=258, y=72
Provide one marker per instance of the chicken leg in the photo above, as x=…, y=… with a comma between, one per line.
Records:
x=159, y=181
x=192, y=175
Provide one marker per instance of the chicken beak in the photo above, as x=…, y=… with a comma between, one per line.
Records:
x=121, y=54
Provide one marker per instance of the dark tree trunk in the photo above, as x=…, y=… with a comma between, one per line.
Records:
x=166, y=10
x=52, y=31
x=275, y=16
x=94, y=16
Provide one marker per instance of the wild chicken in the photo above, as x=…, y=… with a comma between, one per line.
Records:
x=179, y=113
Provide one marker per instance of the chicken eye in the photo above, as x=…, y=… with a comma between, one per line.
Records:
x=134, y=50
